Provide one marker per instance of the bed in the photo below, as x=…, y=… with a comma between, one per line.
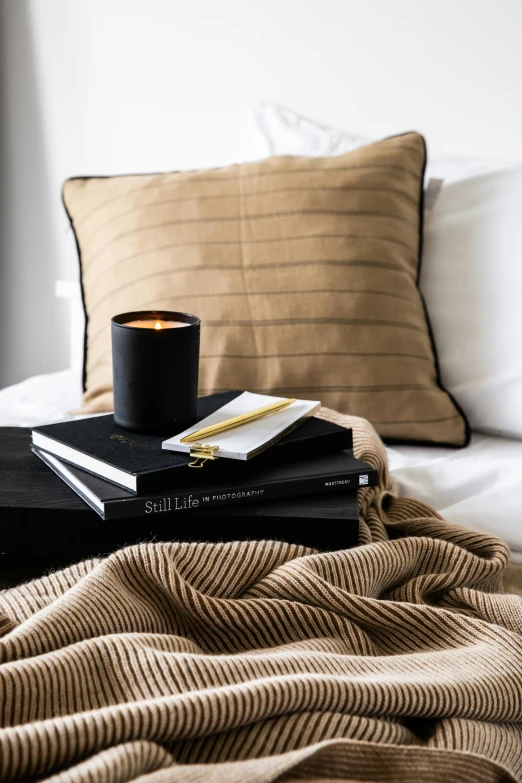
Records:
x=252, y=660
x=476, y=219
x=478, y=486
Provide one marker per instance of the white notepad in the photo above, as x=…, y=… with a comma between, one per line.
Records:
x=249, y=439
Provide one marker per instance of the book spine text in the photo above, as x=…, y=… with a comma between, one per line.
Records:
x=204, y=498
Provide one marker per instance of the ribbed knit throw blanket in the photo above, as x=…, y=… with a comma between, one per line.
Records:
x=400, y=660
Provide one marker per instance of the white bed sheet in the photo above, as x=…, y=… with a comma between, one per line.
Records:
x=478, y=486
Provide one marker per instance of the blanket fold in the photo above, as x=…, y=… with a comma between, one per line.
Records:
x=400, y=660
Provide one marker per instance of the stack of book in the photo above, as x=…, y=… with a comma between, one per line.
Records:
x=298, y=483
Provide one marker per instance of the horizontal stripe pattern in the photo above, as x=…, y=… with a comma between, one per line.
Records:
x=275, y=256
x=203, y=198
x=146, y=204
x=247, y=217
x=260, y=661
x=315, y=355
x=319, y=389
x=201, y=243
x=100, y=292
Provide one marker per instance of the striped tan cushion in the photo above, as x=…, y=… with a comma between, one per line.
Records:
x=303, y=271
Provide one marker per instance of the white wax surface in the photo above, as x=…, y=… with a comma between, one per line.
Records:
x=149, y=324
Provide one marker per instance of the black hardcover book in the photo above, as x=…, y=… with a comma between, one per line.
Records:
x=139, y=464
x=33, y=543
x=46, y=525
x=323, y=521
x=327, y=473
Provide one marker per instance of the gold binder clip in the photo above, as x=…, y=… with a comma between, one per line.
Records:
x=201, y=454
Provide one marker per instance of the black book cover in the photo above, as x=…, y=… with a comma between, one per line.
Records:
x=54, y=538
x=327, y=473
x=323, y=521
x=138, y=463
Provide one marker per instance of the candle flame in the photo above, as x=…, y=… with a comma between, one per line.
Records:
x=157, y=325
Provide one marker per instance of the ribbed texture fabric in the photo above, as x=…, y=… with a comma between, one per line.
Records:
x=302, y=270
x=397, y=661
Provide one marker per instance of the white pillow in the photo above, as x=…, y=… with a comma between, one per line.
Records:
x=276, y=130
x=472, y=281
x=471, y=268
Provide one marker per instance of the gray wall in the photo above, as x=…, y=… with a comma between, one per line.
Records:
x=32, y=338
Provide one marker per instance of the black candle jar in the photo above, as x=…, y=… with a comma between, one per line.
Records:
x=155, y=370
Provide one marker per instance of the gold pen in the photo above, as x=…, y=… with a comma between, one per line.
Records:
x=237, y=421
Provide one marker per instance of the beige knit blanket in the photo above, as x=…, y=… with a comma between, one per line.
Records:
x=400, y=660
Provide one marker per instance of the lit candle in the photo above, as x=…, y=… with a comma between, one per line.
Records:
x=143, y=323
x=155, y=371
